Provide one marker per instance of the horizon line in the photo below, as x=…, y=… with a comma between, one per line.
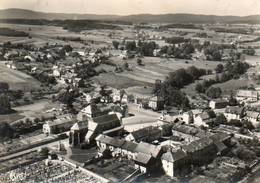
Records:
x=134, y=14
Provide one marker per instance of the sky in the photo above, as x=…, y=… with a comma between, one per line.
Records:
x=127, y=7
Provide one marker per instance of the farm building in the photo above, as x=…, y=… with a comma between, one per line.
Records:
x=234, y=112
x=218, y=103
x=61, y=124
x=247, y=95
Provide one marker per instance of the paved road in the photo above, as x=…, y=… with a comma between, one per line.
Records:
x=141, y=118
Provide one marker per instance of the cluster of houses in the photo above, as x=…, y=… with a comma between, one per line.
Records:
x=175, y=159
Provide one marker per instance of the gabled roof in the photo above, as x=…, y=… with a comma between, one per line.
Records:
x=187, y=129
x=174, y=156
x=156, y=99
x=144, y=132
x=204, y=116
x=108, y=118
x=220, y=137
x=234, y=110
x=143, y=158
x=148, y=149
x=220, y=146
x=62, y=120
x=110, y=141
x=252, y=114
x=198, y=145
x=80, y=125
x=129, y=146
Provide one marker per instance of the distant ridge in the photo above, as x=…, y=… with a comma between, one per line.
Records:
x=149, y=18
x=14, y=13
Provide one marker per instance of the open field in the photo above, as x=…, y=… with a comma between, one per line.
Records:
x=17, y=80
x=155, y=68
x=233, y=85
x=116, y=81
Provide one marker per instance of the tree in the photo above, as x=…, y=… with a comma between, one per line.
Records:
x=232, y=100
x=126, y=66
x=195, y=72
x=130, y=45
x=147, y=48
x=5, y=106
x=6, y=131
x=248, y=125
x=44, y=151
x=199, y=88
x=214, y=92
x=67, y=48
x=139, y=62
x=115, y=44
x=4, y=87
x=220, y=119
x=211, y=114
x=219, y=68
x=179, y=78
x=81, y=83
x=249, y=51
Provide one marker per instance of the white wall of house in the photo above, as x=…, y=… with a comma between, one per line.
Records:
x=230, y=116
x=187, y=118
x=46, y=129
x=198, y=121
x=212, y=104
x=129, y=137
x=168, y=168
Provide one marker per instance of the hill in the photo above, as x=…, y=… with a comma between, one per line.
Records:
x=149, y=18
x=28, y=14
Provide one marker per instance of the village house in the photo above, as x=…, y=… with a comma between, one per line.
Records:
x=188, y=133
x=128, y=149
x=92, y=111
x=156, y=103
x=61, y=124
x=247, y=95
x=109, y=145
x=187, y=117
x=175, y=163
x=201, y=151
x=203, y=119
x=157, y=52
x=77, y=133
x=234, y=113
x=120, y=96
x=56, y=71
x=253, y=117
x=116, y=147
x=126, y=54
x=11, y=54
x=89, y=97
x=218, y=103
x=100, y=124
x=147, y=157
x=148, y=134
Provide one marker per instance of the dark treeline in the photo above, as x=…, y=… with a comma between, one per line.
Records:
x=182, y=26
x=10, y=32
x=71, y=25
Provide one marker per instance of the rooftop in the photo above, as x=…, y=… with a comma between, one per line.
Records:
x=174, y=156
